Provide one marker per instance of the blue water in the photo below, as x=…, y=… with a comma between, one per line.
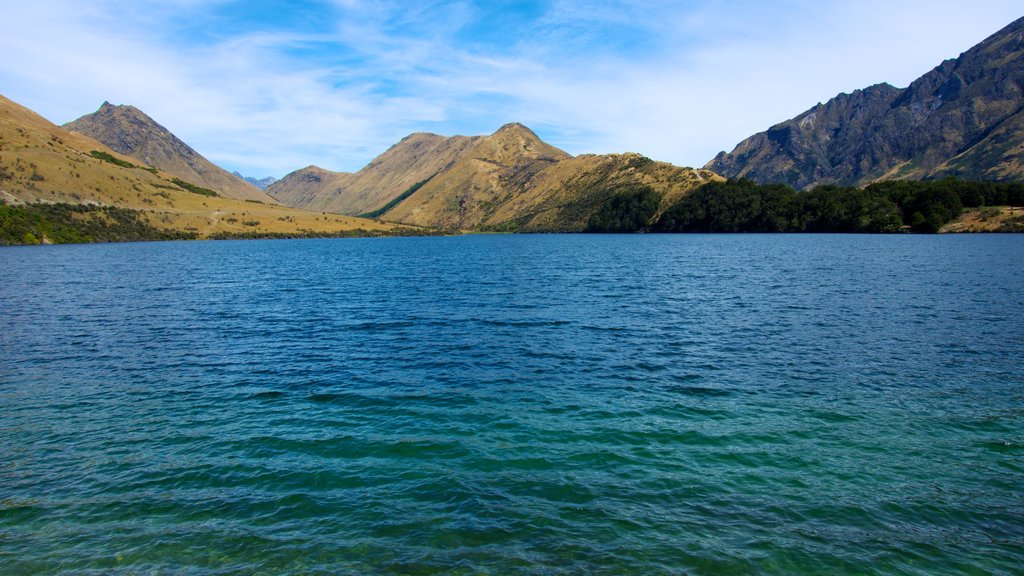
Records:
x=514, y=405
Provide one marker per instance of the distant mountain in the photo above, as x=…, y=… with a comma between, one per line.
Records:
x=131, y=132
x=416, y=158
x=261, y=183
x=510, y=180
x=964, y=118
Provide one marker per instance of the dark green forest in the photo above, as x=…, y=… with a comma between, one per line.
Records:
x=626, y=211
x=745, y=206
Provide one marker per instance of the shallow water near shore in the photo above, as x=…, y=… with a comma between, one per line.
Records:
x=753, y=404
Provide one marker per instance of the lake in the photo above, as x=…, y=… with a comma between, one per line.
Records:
x=564, y=404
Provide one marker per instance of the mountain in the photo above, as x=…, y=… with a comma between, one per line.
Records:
x=415, y=158
x=965, y=118
x=42, y=164
x=131, y=132
x=509, y=180
x=261, y=183
x=489, y=172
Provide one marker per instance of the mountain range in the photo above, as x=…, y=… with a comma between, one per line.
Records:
x=965, y=118
x=509, y=180
x=42, y=163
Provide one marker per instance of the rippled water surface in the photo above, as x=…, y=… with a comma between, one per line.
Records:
x=514, y=405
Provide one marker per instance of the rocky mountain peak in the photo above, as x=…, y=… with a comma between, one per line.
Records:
x=515, y=128
x=514, y=143
x=518, y=133
x=127, y=130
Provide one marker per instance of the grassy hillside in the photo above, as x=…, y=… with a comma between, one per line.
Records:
x=987, y=219
x=131, y=132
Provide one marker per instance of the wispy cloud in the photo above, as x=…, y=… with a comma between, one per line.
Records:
x=266, y=89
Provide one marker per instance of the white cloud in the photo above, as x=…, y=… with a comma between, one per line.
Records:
x=676, y=82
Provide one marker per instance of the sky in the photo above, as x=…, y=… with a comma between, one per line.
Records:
x=267, y=87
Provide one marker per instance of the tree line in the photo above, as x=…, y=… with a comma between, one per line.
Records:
x=745, y=206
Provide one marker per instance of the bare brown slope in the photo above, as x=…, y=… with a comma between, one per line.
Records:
x=131, y=132
x=42, y=162
x=414, y=159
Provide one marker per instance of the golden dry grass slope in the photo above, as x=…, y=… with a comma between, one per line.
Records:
x=988, y=219
x=131, y=132
x=510, y=180
x=42, y=162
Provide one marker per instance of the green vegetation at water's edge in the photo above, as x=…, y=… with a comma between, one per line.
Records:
x=77, y=223
x=100, y=155
x=303, y=233
x=397, y=200
x=626, y=211
x=188, y=186
x=80, y=223
x=743, y=206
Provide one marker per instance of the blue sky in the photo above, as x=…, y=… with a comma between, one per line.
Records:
x=267, y=87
